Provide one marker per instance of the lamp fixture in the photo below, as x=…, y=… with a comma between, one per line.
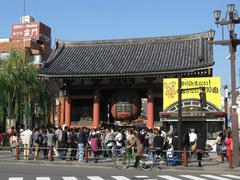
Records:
x=217, y=15
x=211, y=34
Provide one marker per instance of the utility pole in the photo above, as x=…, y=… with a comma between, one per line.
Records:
x=179, y=123
x=231, y=18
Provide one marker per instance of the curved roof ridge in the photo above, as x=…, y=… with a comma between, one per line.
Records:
x=157, y=55
x=133, y=40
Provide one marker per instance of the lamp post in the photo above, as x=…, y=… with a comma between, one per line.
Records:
x=202, y=96
x=231, y=18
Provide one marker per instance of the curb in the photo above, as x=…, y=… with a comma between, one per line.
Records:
x=104, y=165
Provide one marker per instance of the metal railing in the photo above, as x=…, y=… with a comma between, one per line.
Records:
x=160, y=157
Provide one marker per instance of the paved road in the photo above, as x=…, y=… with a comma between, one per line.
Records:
x=143, y=177
x=65, y=172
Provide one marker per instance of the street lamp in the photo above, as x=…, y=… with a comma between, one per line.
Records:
x=231, y=18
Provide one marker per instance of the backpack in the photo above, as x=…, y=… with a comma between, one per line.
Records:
x=39, y=139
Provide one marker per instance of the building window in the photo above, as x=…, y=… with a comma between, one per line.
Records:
x=3, y=56
x=37, y=59
x=213, y=128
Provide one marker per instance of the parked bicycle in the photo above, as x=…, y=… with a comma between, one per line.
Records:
x=127, y=158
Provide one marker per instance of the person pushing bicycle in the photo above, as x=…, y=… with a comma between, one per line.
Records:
x=137, y=144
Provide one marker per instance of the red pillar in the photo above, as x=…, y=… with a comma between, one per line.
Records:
x=150, y=119
x=96, y=110
x=62, y=111
x=68, y=112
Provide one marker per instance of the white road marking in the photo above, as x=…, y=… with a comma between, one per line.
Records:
x=214, y=177
x=168, y=177
x=192, y=177
x=43, y=178
x=231, y=176
x=95, y=178
x=15, y=178
x=69, y=178
x=141, y=177
x=120, y=178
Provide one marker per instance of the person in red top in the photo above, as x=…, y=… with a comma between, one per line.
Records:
x=11, y=134
x=12, y=131
x=228, y=143
x=1, y=139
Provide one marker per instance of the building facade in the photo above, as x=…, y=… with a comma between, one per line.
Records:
x=30, y=36
x=120, y=82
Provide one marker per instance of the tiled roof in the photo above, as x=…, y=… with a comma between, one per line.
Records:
x=129, y=57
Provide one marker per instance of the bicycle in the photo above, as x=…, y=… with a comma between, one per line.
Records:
x=126, y=159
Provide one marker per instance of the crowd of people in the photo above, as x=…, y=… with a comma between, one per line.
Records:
x=105, y=141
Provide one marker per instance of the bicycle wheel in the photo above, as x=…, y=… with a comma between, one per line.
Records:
x=121, y=161
x=146, y=162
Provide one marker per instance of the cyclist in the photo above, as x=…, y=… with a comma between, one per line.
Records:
x=137, y=144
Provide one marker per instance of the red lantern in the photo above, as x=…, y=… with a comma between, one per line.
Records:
x=126, y=105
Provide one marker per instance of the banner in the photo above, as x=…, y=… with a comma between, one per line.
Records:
x=212, y=88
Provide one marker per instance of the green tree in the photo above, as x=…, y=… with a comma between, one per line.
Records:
x=22, y=93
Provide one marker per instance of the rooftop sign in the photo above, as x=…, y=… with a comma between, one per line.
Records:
x=212, y=88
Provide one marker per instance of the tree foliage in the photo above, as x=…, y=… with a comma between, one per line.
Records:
x=22, y=93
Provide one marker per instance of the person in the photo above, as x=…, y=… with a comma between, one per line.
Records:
x=118, y=141
x=27, y=141
x=95, y=145
x=193, y=139
x=10, y=135
x=186, y=142
x=1, y=139
x=50, y=141
x=36, y=136
x=12, y=131
x=73, y=143
x=228, y=143
x=200, y=149
x=44, y=142
x=64, y=141
x=150, y=136
x=14, y=143
x=109, y=142
x=58, y=133
x=81, y=140
x=158, y=143
x=219, y=142
x=139, y=148
x=175, y=143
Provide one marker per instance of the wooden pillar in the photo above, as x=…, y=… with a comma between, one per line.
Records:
x=96, y=110
x=150, y=107
x=68, y=112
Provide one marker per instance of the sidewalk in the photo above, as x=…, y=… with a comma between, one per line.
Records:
x=208, y=165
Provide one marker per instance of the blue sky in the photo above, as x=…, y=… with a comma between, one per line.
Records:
x=116, y=19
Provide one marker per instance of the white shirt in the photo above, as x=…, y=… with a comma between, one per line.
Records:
x=118, y=139
x=192, y=137
x=27, y=137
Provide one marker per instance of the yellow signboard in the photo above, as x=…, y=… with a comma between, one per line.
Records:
x=212, y=88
